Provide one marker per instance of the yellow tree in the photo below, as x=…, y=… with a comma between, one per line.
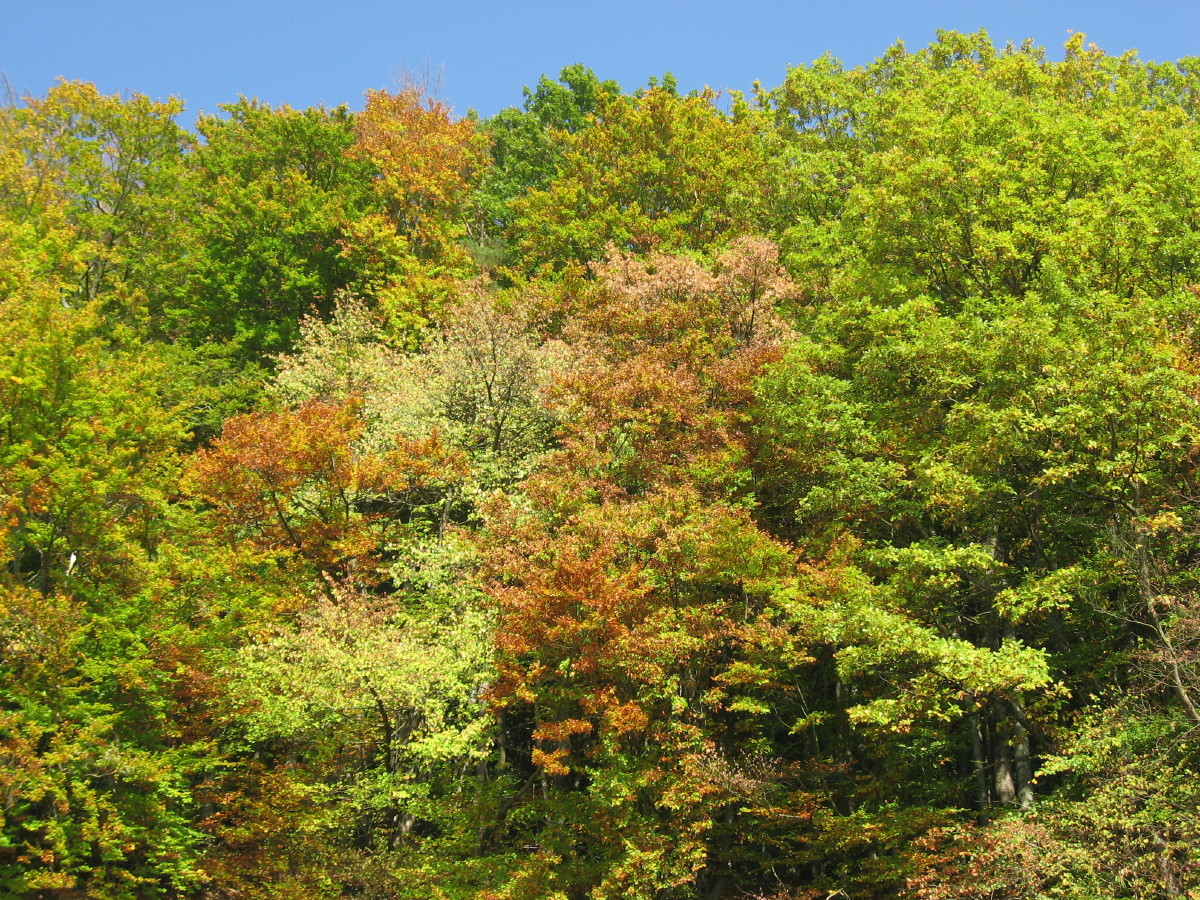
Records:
x=427, y=165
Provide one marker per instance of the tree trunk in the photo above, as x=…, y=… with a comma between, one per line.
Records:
x=1023, y=759
x=978, y=765
x=1005, y=779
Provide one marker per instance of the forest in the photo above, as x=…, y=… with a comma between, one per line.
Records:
x=790, y=494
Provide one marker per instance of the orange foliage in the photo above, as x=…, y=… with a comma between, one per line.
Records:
x=631, y=585
x=427, y=164
x=293, y=483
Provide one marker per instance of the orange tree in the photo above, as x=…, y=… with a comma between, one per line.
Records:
x=427, y=165
x=641, y=649
x=293, y=485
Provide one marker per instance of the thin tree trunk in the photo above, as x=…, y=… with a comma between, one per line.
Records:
x=978, y=765
x=1023, y=759
x=1147, y=594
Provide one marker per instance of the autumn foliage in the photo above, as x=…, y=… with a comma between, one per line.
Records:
x=631, y=496
x=293, y=483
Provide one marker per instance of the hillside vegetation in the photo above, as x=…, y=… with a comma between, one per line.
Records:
x=631, y=496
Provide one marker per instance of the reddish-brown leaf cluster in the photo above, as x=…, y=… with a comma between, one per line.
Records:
x=295, y=484
x=634, y=582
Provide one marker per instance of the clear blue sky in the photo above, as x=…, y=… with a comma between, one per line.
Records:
x=303, y=53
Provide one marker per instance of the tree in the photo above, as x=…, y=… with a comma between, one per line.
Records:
x=656, y=171
x=994, y=470
x=89, y=449
x=964, y=170
x=118, y=165
x=640, y=636
x=276, y=199
x=381, y=697
x=96, y=785
x=427, y=166
x=526, y=144
x=479, y=382
x=293, y=485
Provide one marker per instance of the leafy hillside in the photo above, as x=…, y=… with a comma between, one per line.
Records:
x=631, y=495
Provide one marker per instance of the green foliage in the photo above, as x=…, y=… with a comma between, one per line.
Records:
x=962, y=170
x=655, y=171
x=275, y=199
x=117, y=167
x=88, y=457
x=526, y=144
x=96, y=775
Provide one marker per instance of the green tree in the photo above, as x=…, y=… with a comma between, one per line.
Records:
x=965, y=170
x=526, y=144
x=117, y=163
x=275, y=199
x=655, y=171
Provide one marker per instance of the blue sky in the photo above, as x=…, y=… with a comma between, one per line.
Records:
x=303, y=53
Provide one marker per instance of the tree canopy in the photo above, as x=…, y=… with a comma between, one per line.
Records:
x=629, y=495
